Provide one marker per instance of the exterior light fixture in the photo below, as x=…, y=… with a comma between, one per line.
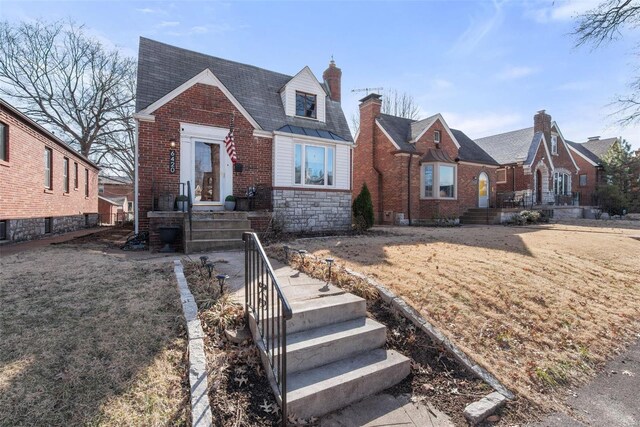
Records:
x=210, y=267
x=221, y=278
x=302, y=253
x=172, y=142
x=330, y=262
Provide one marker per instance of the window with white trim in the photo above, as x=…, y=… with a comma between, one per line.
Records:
x=436, y=136
x=554, y=144
x=439, y=181
x=48, y=170
x=501, y=176
x=306, y=105
x=314, y=165
x=561, y=183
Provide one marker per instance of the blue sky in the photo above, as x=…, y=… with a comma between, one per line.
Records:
x=487, y=66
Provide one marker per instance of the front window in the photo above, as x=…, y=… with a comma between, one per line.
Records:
x=75, y=175
x=48, y=172
x=561, y=183
x=313, y=165
x=65, y=175
x=554, y=144
x=439, y=181
x=4, y=142
x=306, y=105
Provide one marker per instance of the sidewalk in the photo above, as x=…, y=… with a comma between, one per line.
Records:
x=14, y=248
x=611, y=399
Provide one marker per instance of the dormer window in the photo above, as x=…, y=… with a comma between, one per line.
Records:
x=554, y=144
x=436, y=137
x=306, y=104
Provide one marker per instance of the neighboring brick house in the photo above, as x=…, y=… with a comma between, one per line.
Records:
x=292, y=140
x=588, y=155
x=116, y=200
x=46, y=186
x=419, y=170
x=536, y=163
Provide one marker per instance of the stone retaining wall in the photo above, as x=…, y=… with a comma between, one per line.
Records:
x=34, y=228
x=312, y=211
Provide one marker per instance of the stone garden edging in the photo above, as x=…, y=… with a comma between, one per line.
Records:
x=198, y=385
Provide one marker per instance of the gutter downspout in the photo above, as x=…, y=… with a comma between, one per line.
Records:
x=378, y=172
x=135, y=183
x=409, y=188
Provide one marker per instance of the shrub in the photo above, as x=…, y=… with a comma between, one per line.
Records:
x=611, y=199
x=363, y=209
x=526, y=217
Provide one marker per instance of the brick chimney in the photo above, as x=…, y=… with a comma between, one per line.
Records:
x=542, y=123
x=370, y=107
x=332, y=77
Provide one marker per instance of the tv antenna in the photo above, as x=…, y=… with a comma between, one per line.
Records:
x=368, y=89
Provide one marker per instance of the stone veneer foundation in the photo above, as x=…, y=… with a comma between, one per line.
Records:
x=312, y=211
x=33, y=228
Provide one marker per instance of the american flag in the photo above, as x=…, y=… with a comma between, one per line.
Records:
x=231, y=146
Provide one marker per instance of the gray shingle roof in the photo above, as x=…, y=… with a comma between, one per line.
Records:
x=470, y=151
x=599, y=147
x=511, y=147
x=162, y=68
x=401, y=130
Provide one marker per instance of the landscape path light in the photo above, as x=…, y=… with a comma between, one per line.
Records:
x=302, y=253
x=203, y=259
x=221, y=278
x=286, y=252
x=330, y=262
x=210, y=268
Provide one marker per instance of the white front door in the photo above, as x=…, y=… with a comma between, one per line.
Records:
x=204, y=162
x=483, y=190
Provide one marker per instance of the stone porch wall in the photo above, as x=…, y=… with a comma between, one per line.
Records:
x=312, y=211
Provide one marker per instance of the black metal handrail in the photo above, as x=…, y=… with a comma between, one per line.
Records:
x=189, y=210
x=264, y=299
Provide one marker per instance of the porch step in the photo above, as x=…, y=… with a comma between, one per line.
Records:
x=208, y=223
x=218, y=233
x=320, y=346
x=333, y=386
x=197, y=215
x=207, y=245
x=480, y=216
x=318, y=312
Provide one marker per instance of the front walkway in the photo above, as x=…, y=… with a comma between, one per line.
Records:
x=381, y=409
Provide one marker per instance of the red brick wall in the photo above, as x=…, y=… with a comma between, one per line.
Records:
x=591, y=171
x=107, y=212
x=204, y=105
x=22, y=192
x=375, y=151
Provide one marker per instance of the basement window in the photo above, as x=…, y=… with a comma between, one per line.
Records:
x=48, y=225
x=3, y=230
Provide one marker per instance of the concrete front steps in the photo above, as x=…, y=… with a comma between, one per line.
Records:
x=481, y=216
x=217, y=230
x=335, y=355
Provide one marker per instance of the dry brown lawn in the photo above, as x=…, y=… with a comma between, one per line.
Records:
x=540, y=307
x=90, y=338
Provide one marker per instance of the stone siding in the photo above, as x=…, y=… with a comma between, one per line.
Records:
x=33, y=228
x=312, y=211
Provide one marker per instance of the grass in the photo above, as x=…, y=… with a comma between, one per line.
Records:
x=540, y=307
x=90, y=338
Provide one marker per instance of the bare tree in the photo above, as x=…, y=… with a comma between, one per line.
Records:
x=400, y=105
x=605, y=23
x=393, y=103
x=68, y=81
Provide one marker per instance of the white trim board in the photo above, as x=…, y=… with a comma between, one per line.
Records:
x=591, y=162
x=205, y=77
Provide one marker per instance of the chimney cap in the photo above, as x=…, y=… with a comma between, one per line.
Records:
x=542, y=111
x=371, y=96
x=594, y=138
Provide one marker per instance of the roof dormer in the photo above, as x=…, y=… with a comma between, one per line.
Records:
x=304, y=97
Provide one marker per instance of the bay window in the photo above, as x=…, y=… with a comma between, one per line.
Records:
x=313, y=165
x=439, y=181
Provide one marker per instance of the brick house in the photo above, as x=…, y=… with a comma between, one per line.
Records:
x=115, y=199
x=47, y=187
x=588, y=156
x=419, y=170
x=537, y=164
x=291, y=137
